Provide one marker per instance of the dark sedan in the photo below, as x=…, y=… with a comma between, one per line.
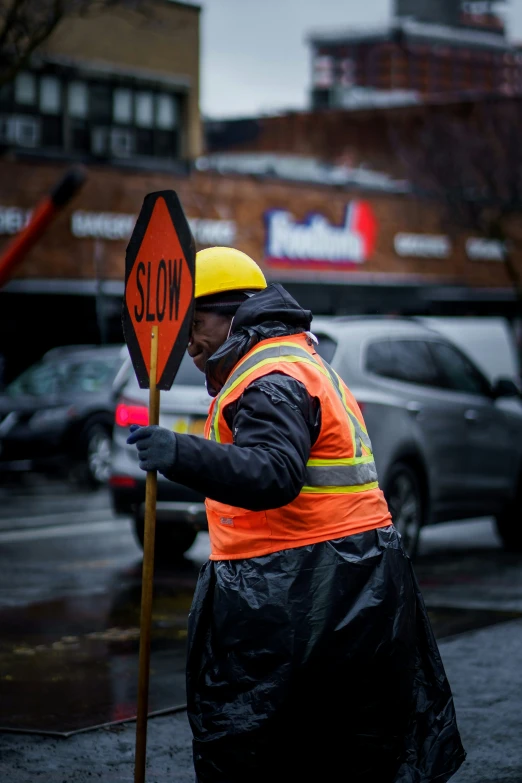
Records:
x=58, y=414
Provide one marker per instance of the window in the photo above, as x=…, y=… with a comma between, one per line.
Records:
x=403, y=360
x=121, y=142
x=458, y=373
x=20, y=130
x=145, y=142
x=122, y=106
x=91, y=115
x=50, y=95
x=144, y=110
x=6, y=94
x=165, y=143
x=80, y=139
x=90, y=376
x=166, y=112
x=379, y=359
x=100, y=102
x=25, y=89
x=100, y=141
x=52, y=131
x=77, y=100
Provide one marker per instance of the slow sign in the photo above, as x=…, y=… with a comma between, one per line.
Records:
x=159, y=287
x=157, y=318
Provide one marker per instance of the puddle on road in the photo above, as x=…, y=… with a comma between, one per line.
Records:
x=72, y=663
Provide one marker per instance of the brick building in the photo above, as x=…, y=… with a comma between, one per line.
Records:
x=116, y=90
x=432, y=48
x=320, y=199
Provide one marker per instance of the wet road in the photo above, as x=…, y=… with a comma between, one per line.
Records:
x=70, y=577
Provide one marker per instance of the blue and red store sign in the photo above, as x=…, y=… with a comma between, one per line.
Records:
x=316, y=243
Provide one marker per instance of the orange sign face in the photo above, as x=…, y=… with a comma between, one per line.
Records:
x=159, y=287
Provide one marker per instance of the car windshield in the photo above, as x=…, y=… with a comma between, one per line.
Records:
x=38, y=380
x=92, y=375
x=81, y=375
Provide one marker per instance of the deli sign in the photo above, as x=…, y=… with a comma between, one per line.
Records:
x=315, y=243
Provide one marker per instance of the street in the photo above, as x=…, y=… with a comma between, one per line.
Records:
x=69, y=609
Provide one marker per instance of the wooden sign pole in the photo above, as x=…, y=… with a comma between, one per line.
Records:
x=147, y=577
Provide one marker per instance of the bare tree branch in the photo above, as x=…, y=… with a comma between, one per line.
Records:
x=26, y=24
x=469, y=158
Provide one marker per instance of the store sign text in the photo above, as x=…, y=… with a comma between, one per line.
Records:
x=479, y=249
x=422, y=245
x=316, y=243
x=13, y=219
x=102, y=225
x=113, y=226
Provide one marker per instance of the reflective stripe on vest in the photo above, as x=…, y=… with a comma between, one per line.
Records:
x=351, y=474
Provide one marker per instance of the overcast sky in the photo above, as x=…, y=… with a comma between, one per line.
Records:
x=255, y=56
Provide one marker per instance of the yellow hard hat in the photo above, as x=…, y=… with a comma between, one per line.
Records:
x=220, y=269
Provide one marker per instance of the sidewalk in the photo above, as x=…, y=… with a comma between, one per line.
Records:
x=484, y=668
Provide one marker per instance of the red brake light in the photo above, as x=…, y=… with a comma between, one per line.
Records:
x=122, y=481
x=127, y=414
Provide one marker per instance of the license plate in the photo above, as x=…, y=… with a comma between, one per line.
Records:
x=189, y=425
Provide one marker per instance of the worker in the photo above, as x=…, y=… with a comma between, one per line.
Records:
x=310, y=652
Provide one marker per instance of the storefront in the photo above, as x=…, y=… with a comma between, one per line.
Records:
x=340, y=250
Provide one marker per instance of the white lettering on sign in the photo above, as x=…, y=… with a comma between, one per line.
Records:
x=213, y=232
x=102, y=225
x=13, y=219
x=422, y=245
x=479, y=249
x=114, y=226
x=316, y=240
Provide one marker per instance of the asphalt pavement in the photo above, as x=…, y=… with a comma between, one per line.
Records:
x=461, y=569
x=484, y=668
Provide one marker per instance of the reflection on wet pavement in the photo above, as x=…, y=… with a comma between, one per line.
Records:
x=72, y=663
x=70, y=607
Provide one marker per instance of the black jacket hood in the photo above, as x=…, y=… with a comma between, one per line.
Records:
x=274, y=303
x=268, y=313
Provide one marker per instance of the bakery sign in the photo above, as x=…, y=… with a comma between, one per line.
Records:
x=116, y=226
x=316, y=243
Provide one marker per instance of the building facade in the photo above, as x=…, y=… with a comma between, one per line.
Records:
x=317, y=198
x=432, y=48
x=120, y=86
x=117, y=91
x=340, y=248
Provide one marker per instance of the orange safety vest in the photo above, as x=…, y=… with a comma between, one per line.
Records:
x=341, y=495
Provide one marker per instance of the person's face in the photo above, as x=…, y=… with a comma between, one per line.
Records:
x=209, y=332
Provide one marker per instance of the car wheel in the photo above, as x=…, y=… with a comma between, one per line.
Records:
x=403, y=494
x=171, y=541
x=509, y=524
x=98, y=445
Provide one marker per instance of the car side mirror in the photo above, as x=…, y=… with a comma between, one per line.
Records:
x=505, y=387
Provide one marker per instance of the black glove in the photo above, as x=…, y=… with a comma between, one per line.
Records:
x=157, y=448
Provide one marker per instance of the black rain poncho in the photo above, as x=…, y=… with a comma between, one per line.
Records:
x=316, y=663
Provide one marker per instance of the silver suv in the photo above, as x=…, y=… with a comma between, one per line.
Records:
x=447, y=443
